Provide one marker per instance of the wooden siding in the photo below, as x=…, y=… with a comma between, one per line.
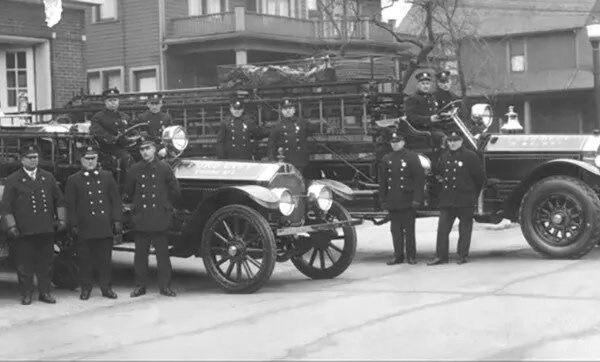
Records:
x=176, y=9
x=105, y=42
x=551, y=51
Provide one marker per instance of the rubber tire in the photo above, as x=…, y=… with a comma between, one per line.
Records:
x=579, y=191
x=346, y=257
x=261, y=225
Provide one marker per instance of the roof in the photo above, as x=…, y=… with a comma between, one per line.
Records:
x=487, y=18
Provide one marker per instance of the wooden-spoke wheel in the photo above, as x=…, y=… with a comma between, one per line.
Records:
x=328, y=253
x=239, y=249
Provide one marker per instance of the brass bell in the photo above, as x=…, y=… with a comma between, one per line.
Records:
x=512, y=124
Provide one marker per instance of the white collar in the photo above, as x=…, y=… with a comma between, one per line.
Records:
x=31, y=173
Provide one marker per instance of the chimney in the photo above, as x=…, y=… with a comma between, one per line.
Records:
x=392, y=23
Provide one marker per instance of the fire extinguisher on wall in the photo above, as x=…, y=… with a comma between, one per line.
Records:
x=23, y=103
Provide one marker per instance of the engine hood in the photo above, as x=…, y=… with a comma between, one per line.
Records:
x=543, y=143
x=219, y=170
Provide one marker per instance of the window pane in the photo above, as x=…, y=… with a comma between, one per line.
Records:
x=195, y=7
x=145, y=81
x=21, y=60
x=12, y=98
x=10, y=60
x=213, y=6
x=22, y=79
x=108, y=10
x=113, y=80
x=517, y=63
x=94, y=84
x=11, y=79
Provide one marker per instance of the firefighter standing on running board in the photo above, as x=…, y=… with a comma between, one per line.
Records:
x=401, y=184
x=33, y=209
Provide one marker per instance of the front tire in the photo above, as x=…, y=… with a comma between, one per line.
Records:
x=238, y=237
x=333, y=258
x=560, y=217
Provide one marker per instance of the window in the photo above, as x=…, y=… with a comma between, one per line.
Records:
x=203, y=7
x=16, y=76
x=144, y=80
x=106, y=11
x=517, y=55
x=279, y=7
x=101, y=79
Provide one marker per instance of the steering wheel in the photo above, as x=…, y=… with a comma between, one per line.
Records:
x=127, y=133
x=448, y=107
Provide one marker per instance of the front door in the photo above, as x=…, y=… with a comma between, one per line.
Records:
x=17, y=78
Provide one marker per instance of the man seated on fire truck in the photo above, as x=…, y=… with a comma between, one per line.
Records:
x=107, y=127
x=157, y=119
x=421, y=111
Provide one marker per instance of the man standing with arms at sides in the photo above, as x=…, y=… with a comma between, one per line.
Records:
x=107, y=125
x=291, y=134
x=401, y=183
x=421, y=111
x=95, y=215
x=152, y=188
x=462, y=176
x=33, y=209
x=234, y=139
x=157, y=119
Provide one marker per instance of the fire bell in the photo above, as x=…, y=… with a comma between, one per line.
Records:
x=512, y=124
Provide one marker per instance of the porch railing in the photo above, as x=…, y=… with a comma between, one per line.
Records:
x=241, y=20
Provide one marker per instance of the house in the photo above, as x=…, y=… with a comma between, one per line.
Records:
x=44, y=64
x=534, y=55
x=145, y=45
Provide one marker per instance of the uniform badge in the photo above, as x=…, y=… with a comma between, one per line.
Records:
x=297, y=128
x=86, y=173
x=403, y=164
x=245, y=127
x=460, y=163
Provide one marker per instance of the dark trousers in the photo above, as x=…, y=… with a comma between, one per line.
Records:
x=402, y=225
x=142, y=250
x=95, y=254
x=465, y=229
x=437, y=138
x=34, y=255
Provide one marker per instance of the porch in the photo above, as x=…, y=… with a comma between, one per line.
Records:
x=240, y=22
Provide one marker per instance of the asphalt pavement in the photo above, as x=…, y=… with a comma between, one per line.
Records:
x=507, y=303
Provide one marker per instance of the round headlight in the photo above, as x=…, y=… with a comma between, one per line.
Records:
x=322, y=195
x=176, y=137
x=482, y=113
x=286, y=201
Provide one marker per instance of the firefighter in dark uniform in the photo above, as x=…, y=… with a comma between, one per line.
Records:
x=443, y=95
x=157, y=119
x=401, y=184
x=234, y=139
x=461, y=175
x=108, y=124
x=33, y=209
x=152, y=189
x=291, y=135
x=421, y=111
x=95, y=215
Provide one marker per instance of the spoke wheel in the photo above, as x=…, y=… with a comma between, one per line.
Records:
x=328, y=253
x=560, y=217
x=238, y=249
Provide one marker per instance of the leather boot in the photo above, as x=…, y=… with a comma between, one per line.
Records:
x=85, y=293
x=26, y=299
x=411, y=261
x=138, y=291
x=166, y=291
x=395, y=260
x=437, y=261
x=462, y=260
x=47, y=298
x=109, y=293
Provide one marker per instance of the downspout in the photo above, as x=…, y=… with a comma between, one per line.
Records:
x=161, y=38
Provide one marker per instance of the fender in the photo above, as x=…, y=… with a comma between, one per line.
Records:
x=261, y=195
x=340, y=189
x=584, y=165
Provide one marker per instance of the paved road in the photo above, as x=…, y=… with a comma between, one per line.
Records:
x=507, y=304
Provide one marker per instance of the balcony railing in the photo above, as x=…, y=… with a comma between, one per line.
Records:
x=240, y=20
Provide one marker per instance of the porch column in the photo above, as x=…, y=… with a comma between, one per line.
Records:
x=241, y=57
x=527, y=116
